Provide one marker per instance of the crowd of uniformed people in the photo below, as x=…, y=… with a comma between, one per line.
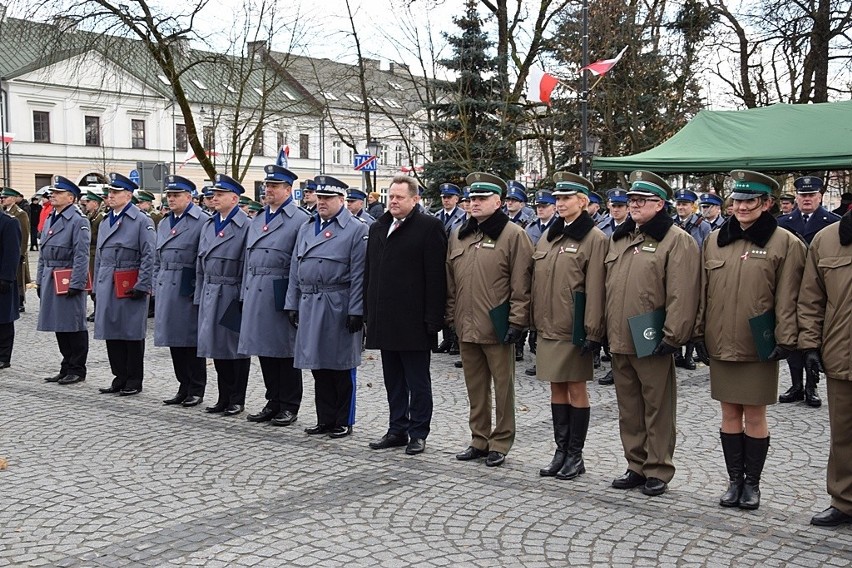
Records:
x=659, y=280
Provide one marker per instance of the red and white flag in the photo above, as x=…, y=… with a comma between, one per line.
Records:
x=540, y=85
x=7, y=138
x=190, y=155
x=604, y=65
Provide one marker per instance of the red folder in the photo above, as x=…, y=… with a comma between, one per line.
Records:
x=62, y=281
x=124, y=281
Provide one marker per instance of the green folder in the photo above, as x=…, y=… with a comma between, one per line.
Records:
x=763, y=333
x=647, y=331
x=578, y=334
x=500, y=320
x=279, y=289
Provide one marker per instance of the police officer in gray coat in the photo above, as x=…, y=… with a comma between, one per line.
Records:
x=175, y=314
x=325, y=301
x=266, y=330
x=219, y=276
x=126, y=242
x=65, y=244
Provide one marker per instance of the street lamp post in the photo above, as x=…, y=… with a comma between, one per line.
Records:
x=373, y=148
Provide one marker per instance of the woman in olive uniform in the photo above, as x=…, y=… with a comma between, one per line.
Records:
x=751, y=270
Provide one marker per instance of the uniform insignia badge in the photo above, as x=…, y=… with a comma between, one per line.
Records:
x=221, y=233
x=745, y=256
x=265, y=227
x=327, y=234
x=174, y=232
x=741, y=175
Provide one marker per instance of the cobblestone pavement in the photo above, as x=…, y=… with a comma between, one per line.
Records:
x=95, y=480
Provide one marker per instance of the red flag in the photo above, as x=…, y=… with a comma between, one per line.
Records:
x=7, y=138
x=604, y=65
x=540, y=85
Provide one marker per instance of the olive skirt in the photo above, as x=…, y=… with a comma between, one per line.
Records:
x=754, y=383
x=559, y=361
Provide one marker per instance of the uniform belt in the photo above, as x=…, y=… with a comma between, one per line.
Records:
x=216, y=279
x=176, y=265
x=121, y=264
x=275, y=271
x=59, y=263
x=322, y=288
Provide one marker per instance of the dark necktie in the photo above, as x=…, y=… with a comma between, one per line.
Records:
x=805, y=219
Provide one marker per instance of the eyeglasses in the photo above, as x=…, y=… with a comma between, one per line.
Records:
x=641, y=201
x=706, y=206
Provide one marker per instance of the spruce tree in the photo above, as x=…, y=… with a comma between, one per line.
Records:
x=472, y=126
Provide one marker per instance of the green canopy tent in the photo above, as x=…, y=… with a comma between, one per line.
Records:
x=776, y=138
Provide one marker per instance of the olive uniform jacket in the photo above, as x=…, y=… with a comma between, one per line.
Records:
x=825, y=299
x=24, y=222
x=569, y=259
x=488, y=263
x=95, y=222
x=653, y=266
x=746, y=274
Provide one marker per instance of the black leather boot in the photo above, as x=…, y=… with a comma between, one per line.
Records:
x=574, y=465
x=732, y=447
x=755, y=450
x=454, y=343
x=561, y=433
x=519, y=347
x=688, y=361
x=811, y=397
x=795, y=392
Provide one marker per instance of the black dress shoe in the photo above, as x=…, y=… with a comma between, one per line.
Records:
x=389, y=441
x=54, y=379
x=530, y=371
x=607, y=379
x=109, y=390
x=471, y=453
x=457, y=365
x=71, y=379
x=793, y=394
x=129, y=392
x=495, y=458
x=90, y=318
x=629, y=480
x=265, y=415
x=5, y=364
x=318, y=429
x=415, y=446
x=654, y=487
x=340, y=432
x=233, y=409
x=284, y=418
x=176, y=399
x=220, y=407
x=831, y=517
x=193, y=400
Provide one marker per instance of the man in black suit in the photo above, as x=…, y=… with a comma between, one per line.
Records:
x=405, y=290
x=809, y=218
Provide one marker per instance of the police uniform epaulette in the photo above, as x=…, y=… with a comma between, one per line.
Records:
x=356, y=217
x=305, y=210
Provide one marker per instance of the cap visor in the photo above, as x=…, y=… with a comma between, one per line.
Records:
x=740, y=196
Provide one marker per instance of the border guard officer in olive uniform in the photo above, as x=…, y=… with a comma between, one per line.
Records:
x=176, y=316
x=126, y=242
x=639, y=280
x=325, y=300
x=266, y=330
x=218, y=282
x=10, y=203
x=95, y=214
x=65, y=244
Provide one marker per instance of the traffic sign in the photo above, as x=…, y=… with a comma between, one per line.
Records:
x=297, y=194
x=134, y=176
x=366, y=162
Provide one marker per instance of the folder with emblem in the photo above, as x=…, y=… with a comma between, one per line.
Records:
x=187, y=281
x=124, y=281
x=500, y=320
x=279, y=289
x=232, y=317
x=647, y=331
x=578, y=333
x=763, y=333
x=62, y=281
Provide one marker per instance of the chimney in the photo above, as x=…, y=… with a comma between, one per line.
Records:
x=182, y=45
x=399, y=68
x=257, y=49
x=371, y=63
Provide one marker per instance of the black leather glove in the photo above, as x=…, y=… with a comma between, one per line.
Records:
x=38, y=292
x=663, y=349
x=135, y=294
x=293, y=316
x=701, y=352
x=779, y=353
x=73, y=292
x=433, y=329
x=590, y=346
x=813, y=362
x=354, y=323
x=5, y=286
x=512, y=335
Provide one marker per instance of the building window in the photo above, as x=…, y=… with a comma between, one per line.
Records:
x=280, y=140
x=93, y=130
x=137, y=129
x=303, y=146
x=335, y=152
x=398, y=154
x=180, y=138
x=257, y=145
x=383, y=156
x=41, y=126
x=209, y=138
x=351, y=156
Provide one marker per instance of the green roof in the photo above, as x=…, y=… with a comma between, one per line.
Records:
x=777, y=138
